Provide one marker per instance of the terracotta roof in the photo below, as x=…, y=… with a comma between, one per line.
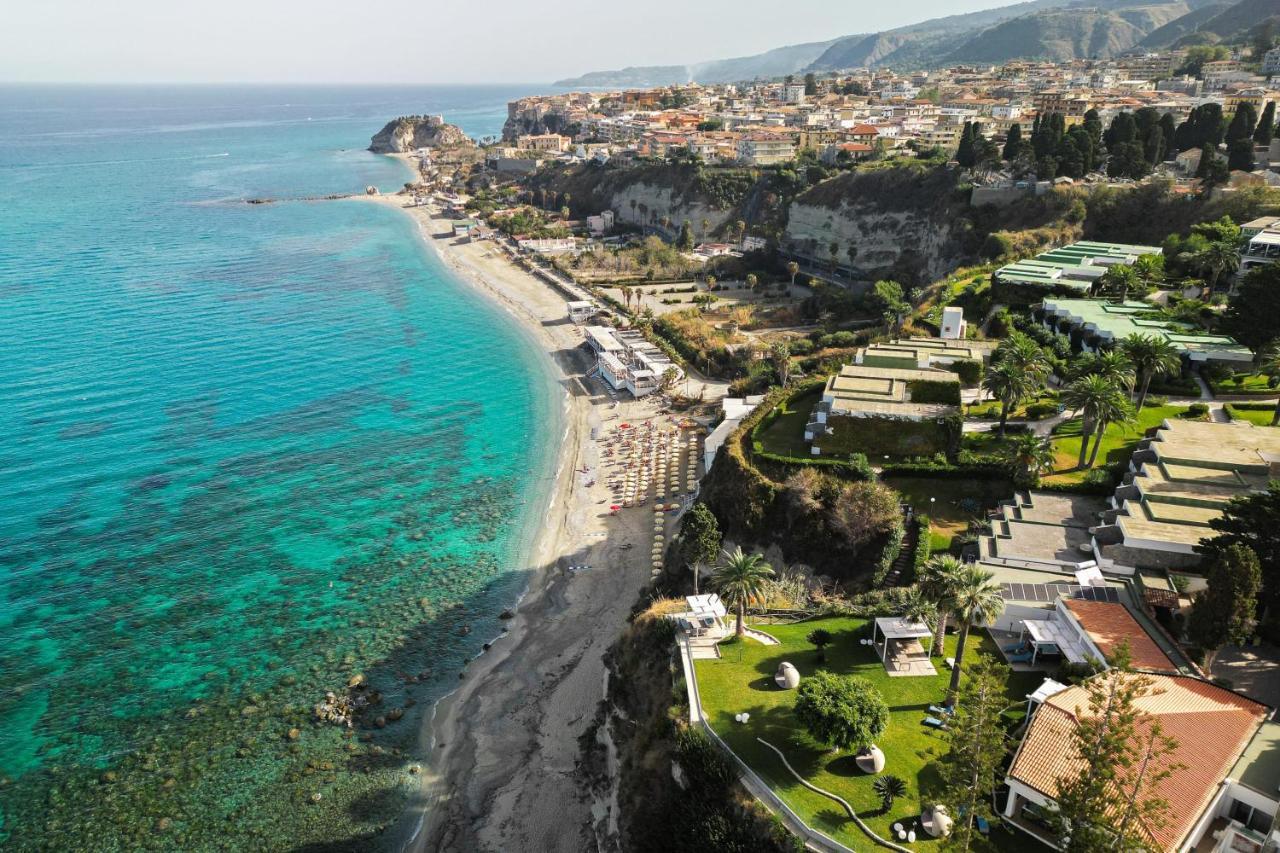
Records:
x=1212, y=726
x=1108, y=623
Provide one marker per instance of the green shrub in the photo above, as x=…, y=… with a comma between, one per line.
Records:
x=1197, y=410
x=924, y=391
x=969, y=371
x=1040, y=411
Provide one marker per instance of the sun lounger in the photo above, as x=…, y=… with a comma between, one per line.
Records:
x=934, y=723
x=983, y=826
x=940, y=711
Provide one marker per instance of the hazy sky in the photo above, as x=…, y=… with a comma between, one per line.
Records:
x=427, y=41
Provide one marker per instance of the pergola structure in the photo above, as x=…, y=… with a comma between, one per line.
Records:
x=908, y=652
x=1049, y=636
x=705, y=613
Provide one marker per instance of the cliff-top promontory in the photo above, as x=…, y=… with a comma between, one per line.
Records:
x=409, y=133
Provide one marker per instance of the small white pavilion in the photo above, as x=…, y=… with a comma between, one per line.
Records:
x=1049, y=636
x=705, y=614
x=897, y=643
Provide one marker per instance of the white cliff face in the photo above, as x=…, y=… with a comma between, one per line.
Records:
x=652, y=204
x=881, y=237
x=409, y=133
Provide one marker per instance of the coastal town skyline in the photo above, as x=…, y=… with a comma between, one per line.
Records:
x=293, y=42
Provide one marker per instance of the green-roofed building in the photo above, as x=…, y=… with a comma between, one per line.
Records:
x=1097, y=324
x=1075, y=267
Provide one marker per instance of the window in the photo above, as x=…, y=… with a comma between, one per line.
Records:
x=1255, y=819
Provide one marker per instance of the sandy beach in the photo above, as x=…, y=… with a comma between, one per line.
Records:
x=503, y=769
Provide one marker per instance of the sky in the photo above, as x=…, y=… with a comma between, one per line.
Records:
x=428, y=41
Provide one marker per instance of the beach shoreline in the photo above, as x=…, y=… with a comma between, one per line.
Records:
x=503, y=749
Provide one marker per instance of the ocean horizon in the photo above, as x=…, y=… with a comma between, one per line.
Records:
x=248, y=453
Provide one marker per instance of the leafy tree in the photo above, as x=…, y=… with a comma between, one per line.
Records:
x=740, y=579
x=1150, y=356
x=700, y=537
x=1121, y=762
x=1265, y=131
x=780, y=355
x=685, y=241
x=973, y=764
x=888, y=788
x=1224, y=613
x=1251, y=314
x=1253, y=521
x=1030, y=456
x=938, y=581
x=1100, y=402
x=810, y=84
x=842, y=711
x=976, y=599
x=820, y=638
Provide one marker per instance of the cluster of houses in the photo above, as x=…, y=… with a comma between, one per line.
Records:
x=856, y=115
x=1081, y=575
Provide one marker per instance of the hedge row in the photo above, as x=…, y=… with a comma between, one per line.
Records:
x=924, y=391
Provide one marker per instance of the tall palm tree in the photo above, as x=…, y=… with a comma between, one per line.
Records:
x=740, y=580
x=792, y=269
x=1099, y=401
x=937, y=584
x=1217, y=259
x=1150, y=356
x=1029, y=455
x=976, y=599
x=1114, y=365
x=1008, y=384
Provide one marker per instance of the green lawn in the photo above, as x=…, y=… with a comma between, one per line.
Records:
x=1117, y=442
x=1244, y=383
x=956, y=502
x=1261, y=417
x=742, y=680
x=990, y=409
x=785, y=436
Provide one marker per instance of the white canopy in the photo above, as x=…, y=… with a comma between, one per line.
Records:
x=1048, y=688
x=1091, y=576
x=1053, y=632
x=897, y=628
x=706, y=606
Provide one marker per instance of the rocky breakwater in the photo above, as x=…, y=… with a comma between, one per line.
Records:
x=409, y=133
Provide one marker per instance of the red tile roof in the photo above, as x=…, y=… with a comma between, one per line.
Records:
x=1108, y=624
x=1212, y=727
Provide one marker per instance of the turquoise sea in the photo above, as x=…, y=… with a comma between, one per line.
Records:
x=247, y=453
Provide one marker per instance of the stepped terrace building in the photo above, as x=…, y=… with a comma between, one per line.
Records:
x=1076, y=267
x=1094, y=324
x=1179, y=480
x=893, y=410
x=924, y=353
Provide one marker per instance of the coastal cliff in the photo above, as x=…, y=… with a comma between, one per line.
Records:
x=409, y=133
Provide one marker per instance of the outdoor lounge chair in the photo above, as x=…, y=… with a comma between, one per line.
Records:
x=939, y=710
x=1025, y=657
x=933, y=723
x=983, y=827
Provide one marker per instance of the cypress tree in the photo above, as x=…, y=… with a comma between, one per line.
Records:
x=965, y=153
x=1167, y=130
x=1242, y=124
x=1265, y=130
x=1013, y=142
x=1154, y=146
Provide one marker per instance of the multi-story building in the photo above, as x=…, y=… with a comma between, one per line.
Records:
x=761, y=148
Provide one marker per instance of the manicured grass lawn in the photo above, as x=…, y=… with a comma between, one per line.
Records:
x=1244, y=383
x=957, y=501
x=742, y=680
x=1117, y=442
x=990, y=409
x=785, y=436
x=1261, y=417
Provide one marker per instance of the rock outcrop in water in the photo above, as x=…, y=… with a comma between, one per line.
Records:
x=409, y=133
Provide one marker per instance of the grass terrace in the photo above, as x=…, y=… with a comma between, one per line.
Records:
x=742, y=680
x=1244, y=383
x=784, y=436
x=1258, y=414
x=1118, y=442
x=956, y=502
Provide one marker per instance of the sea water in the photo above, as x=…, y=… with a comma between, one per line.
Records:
x=249, y=453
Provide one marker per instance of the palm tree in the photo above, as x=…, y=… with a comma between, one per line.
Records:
x=1270, y=358
x=1216, y=259
x=740, y=579
x=1115, y=367
x=1008, y=384
x=1100, y=402
x=976, y=599
x=937, y=584
x=1150, y=356
x=1029, y=455
x=792, y=269
x=888, y=788
x=753, y=281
